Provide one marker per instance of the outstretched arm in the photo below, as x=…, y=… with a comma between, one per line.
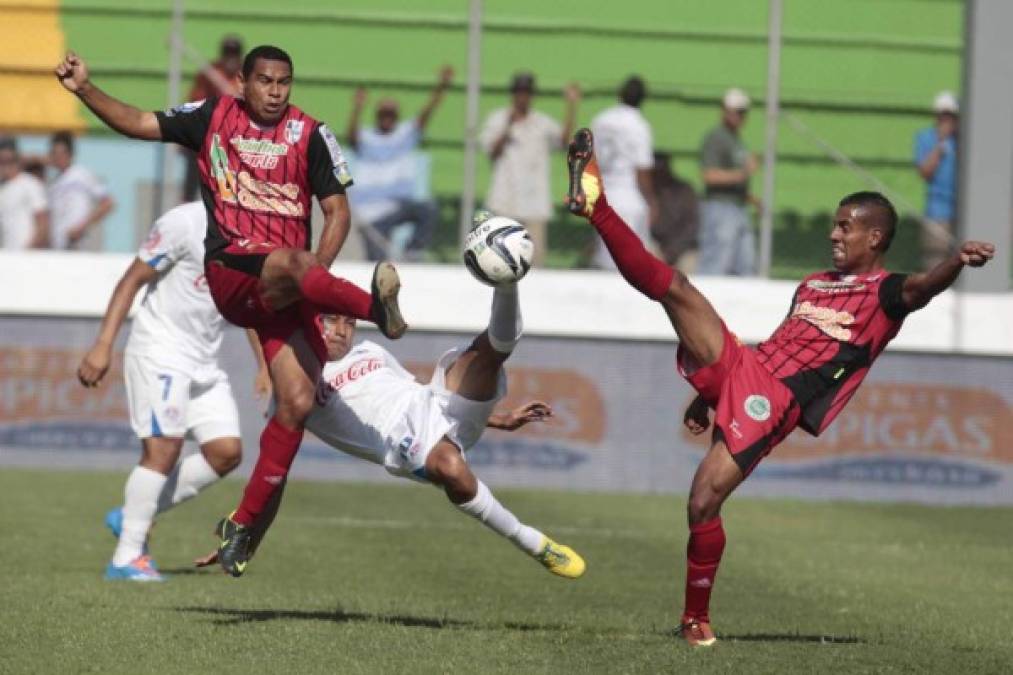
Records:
x=95, y=363
x=918, y=289
x=533, y=411
x=72, y=73
x=445, y=77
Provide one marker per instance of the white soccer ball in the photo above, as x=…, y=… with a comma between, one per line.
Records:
x=498, y=251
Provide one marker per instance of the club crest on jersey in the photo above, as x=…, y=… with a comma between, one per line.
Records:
x=757, y=407
x=293, y=131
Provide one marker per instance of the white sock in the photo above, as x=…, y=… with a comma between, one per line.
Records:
x=140, y=500
x=487, y=508
x=189, y=477
x=505, y=323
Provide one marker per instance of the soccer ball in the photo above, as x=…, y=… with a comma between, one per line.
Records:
x=498, y=250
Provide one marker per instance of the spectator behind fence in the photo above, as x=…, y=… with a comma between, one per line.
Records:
x=935, y=155
x=24, y=218
x=386, y=173
x=78, y=201
x=623, y=144
x=675, y=228
x=215, y=79
x=727, y=243
x=518, y=140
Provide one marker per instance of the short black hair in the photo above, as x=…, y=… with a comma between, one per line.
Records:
x=64, y=138
x=633, y=92
x=268, y=52
x=8, y=143
x=887, y=214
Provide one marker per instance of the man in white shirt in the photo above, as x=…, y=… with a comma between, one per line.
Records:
x=24, y=214
x=369, y=406
x=624, y=145
x=77, y=198
x=518, y=140
x=175, y=387
x=386, y=172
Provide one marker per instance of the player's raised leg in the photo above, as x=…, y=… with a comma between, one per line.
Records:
x=694, y=319
x=475, y=375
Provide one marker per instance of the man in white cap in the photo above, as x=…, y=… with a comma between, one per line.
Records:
x=935, y=157
x=727, y=243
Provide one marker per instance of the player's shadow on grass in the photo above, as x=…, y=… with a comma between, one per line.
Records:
x=794, y=637
x=227, y=616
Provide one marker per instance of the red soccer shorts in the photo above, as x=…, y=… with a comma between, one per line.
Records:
x=233, y=277
x=754, y=411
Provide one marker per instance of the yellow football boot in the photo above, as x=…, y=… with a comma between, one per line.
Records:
x=560, y=560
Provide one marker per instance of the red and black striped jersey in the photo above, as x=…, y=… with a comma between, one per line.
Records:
x=257, y=181
x=837, y=326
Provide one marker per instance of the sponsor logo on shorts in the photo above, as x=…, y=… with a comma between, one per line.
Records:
x=736, y=431
x=757, y=407
x=408, y=448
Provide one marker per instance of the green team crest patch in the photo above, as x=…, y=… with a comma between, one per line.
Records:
x=758, y=407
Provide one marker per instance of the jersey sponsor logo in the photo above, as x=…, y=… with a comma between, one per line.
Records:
x=220, y=170
x=845, y=285
x=831, y=321
x=258, y=153
x=757, y=407
x=268, y=197
x=184, y=108
x=338, y=161
x=293, y=130
x=354, y=372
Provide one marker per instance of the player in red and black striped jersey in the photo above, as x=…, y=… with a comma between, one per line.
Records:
x=803, y=375
x=261, y=161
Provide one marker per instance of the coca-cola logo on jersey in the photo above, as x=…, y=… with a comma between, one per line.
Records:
x=356, y=371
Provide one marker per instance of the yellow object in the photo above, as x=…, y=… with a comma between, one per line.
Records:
x=591, y=184
x=33, y=44
x=561, y=560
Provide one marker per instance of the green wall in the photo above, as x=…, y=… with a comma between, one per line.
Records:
x=860, y=74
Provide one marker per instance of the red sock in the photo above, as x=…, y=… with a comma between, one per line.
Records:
x=278, y=446
x=642, y=270
x=703, y=555
x=335, y=295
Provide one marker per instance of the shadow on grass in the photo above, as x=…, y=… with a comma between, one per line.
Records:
x=183, y=571
x=794, y=637
x=228, y=616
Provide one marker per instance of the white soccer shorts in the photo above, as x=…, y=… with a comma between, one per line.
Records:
x=437, y=412
x=165, y=402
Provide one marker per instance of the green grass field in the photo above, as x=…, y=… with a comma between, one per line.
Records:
x=389, y=579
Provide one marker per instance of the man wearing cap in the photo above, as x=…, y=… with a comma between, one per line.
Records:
x=727, y=243
x=518, y=140
x=623, y=141
x=935, y=157
x=386, y=173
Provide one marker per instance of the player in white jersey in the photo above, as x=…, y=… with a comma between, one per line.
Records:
x=623, y=142
x=369, y=406
x=175, y=387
